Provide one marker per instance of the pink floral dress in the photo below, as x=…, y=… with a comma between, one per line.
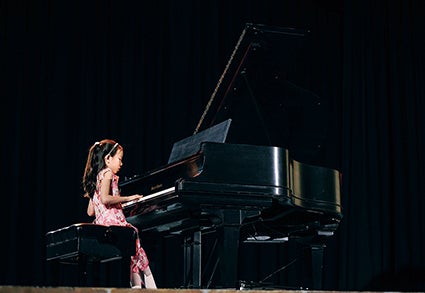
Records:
x=113, y=215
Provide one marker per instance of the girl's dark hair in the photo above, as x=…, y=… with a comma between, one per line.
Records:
x=95, y=163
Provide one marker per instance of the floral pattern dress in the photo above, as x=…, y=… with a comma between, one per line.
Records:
x=113, y=215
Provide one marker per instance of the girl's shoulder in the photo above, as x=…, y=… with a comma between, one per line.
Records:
x=104, y=172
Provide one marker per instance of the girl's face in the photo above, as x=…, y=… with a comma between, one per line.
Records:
x=115, y=162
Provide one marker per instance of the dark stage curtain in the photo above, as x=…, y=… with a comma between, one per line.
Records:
x=141, y=72
x=383, y=137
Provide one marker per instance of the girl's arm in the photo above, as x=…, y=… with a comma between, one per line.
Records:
x=106, y=189
x=90, y=208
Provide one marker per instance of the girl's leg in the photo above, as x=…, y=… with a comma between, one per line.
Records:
x=135, y=280
x=149, y=279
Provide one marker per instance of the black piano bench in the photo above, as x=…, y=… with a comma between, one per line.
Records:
x=90, y=255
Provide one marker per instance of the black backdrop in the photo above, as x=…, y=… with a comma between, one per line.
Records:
x=141, y=72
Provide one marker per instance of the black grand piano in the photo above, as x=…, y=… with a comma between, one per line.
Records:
x=264, y=182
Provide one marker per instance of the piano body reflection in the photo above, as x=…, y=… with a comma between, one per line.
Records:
x=251, y=187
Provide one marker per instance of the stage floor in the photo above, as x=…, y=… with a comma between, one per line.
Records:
x=23, y=289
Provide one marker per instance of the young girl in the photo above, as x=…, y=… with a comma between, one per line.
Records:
x=100, y=184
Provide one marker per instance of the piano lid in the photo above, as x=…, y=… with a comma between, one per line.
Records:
x=264, y=89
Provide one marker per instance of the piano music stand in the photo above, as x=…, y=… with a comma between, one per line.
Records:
x=190, y=145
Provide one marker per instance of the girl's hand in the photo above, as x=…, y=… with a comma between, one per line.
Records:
x=134, y=197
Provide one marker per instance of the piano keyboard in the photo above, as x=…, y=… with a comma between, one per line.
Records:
x=150, y=196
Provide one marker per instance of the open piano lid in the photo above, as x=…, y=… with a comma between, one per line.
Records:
x=264, y=89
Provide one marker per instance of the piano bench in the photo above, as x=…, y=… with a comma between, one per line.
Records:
x=86, y=254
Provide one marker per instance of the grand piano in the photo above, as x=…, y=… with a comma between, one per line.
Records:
x=264, y=183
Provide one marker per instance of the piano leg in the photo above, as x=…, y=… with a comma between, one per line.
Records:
x=225, y=260
x=193, y=259
x=53, y=273
x=125, y=272
x=316, y=251
x=229, y=255
x=186, y=261
x=82, y=264
x=197, y=252
x=221, y=265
